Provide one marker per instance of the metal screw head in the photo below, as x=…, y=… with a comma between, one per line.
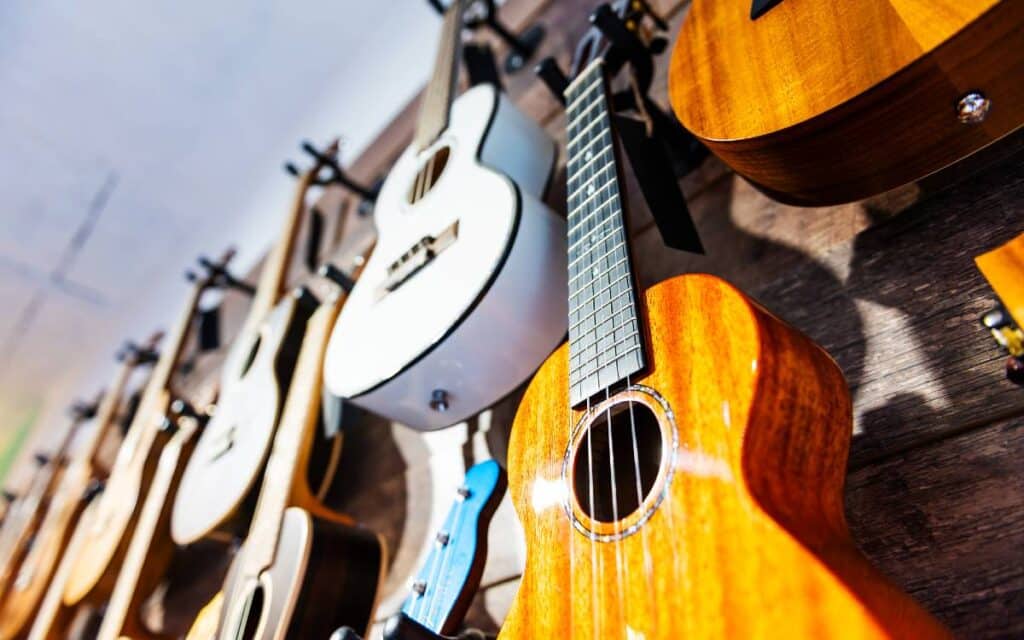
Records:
x=973, y=108
x=439, y=400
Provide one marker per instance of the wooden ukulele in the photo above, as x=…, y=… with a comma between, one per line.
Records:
x=116, y=511
x=464, y=240
x=678, y=466
x=303, y=569
x=827, y=102
x=220, y=479
x=150, y=550
x=27, y=512
x=66, y=505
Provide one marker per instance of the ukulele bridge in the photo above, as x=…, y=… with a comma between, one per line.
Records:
x=419, y=256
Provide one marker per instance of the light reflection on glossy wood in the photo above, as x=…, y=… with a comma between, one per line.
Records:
x=751, y=541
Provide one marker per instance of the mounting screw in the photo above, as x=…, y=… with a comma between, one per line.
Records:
x=439, y=400
x=973, y=108
x=419, y=587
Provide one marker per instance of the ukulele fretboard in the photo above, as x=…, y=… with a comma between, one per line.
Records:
x=605, y=344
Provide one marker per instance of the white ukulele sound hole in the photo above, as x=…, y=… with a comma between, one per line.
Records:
x=428, y=175
x=252, y=612
x=618, y=463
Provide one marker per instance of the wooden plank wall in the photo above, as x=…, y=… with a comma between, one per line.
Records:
x=935, y=490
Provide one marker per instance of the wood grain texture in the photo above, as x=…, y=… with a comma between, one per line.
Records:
x=778, y=98
x=945, y=522
x=751, y=536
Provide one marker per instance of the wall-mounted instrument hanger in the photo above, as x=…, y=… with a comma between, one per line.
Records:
x=824, y=103
x=484, y=13
x=678, y=466
x=332, y=173
x=463, y=241
x=116, y=511
x=218, y=489
x=69, y=499
x=302, y=569
x=448, y=581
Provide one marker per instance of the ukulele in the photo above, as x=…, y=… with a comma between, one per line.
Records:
x=826, y=102
x=52, y=619
x=303, y=569
x=459, y=302
x=150, y=550
x=444, y=587
x=678, y=466
x=221, y=477
x=27, y=512
x=66, y=505
x=116, y=510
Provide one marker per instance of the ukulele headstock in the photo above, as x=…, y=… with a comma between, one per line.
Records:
x=624, y=31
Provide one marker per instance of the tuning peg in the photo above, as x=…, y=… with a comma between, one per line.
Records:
x=337, y=276
x=9, y=496
x=328, y=159
x=94, y=488
x=42, y=459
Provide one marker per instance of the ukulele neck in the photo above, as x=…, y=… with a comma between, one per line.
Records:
x=437, y=97
x=107, y=412
x=273, y=275
x=605, y=344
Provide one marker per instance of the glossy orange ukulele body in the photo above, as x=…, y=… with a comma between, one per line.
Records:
x=746, y=536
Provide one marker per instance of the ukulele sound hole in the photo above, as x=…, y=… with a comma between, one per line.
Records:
x=428, y=175
x=251, y=358
x=252, y=613
x=616, y=466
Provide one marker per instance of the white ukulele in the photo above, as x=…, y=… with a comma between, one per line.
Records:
x=465, y=293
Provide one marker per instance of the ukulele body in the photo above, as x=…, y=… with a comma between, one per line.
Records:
x=223, y=474
x=819, y=103
x=33, y=577
x=742, y=533
x=451, y=298
x=325, y=575
x=114, y=513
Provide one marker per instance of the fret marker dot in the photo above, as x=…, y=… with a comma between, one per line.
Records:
x=588, y=155
x=590, y=190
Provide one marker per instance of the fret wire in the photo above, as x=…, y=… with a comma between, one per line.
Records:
x=578, y=116
x=591, y=197
x=621, y=260
x=586, y=237
x=578, y=98
x=603, y=307
x=585, y=130
x=597, y=156
x=620, y=244
x=583, y=186
x=589, y=143
x=594, y=294
x=581, y=348
x=612, y=359
x=592, y=214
